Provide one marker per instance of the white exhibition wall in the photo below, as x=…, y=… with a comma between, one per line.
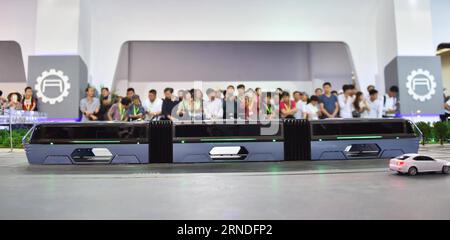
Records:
x=114, y=22
x=57, y=27
x=292, y=66
x=386, y=36
x=370, y=28
x=446, y=71
x=12, y=72
x=441, y=19
x=414, y=29
x=18, y=23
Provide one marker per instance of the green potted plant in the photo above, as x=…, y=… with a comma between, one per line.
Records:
x=425, y=128
x=440, y=131
x=448, y=130
x=17, y=136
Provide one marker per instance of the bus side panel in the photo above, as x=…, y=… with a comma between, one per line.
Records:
x=199, y=152
x=392, y=147
x=44, y=154
x=335, y=150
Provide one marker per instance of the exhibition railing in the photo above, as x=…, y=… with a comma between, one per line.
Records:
x=10, y=118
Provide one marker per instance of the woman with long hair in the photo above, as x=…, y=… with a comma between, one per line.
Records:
x=197, y=113
x=191, y=106
x=14, y=101
x=360, y=106
x=29, y=102
x=251, y=108
x=118, y=111
x=267, y=110
x=185, y=106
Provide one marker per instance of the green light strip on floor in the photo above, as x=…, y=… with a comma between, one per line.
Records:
x=229, y=140
x=359, y=137
x=82, y=142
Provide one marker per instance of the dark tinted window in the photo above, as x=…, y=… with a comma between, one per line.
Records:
x=219, y=130
x=358, y=128
x=423, y=158
x=409, y=128
x=326, y=129
x=72, y=133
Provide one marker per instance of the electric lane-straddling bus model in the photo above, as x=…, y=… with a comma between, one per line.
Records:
x=225, y=141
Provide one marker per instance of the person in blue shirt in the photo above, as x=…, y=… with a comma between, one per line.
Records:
x=329, y=105
x=136, y=111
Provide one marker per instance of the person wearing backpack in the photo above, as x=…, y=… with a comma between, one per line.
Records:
x=390, y=103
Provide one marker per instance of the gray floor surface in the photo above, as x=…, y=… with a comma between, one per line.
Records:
x=287, y=190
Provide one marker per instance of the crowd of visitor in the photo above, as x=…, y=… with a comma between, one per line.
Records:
x=232, y=103
x=26, y=101
x=239, y=103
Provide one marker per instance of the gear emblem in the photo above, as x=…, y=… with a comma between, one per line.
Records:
x=52, y=79
x=424, y=79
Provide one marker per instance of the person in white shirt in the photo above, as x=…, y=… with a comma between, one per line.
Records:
x=390, y=103
x=375, y=105
x=301, y=107
x=275, y=102
x=213, y=107
x=89, y=106
x=346, y=101
x=447, y=110
x=369, y=89
x=312, y=110
x=3, y=102
x=153, y=106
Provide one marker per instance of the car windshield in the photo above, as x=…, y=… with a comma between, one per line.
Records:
x=403, y=157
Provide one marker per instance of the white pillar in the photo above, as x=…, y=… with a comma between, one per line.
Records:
x=57, y=27
x=414, y=28
x=403, y=28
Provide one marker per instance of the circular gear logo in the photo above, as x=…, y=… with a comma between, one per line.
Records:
x=421, y=85
x=52, y=86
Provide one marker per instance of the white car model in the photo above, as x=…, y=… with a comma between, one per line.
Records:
x=413, y=164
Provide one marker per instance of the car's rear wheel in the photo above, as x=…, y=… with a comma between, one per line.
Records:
x=445, y=169
x=412, y=171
